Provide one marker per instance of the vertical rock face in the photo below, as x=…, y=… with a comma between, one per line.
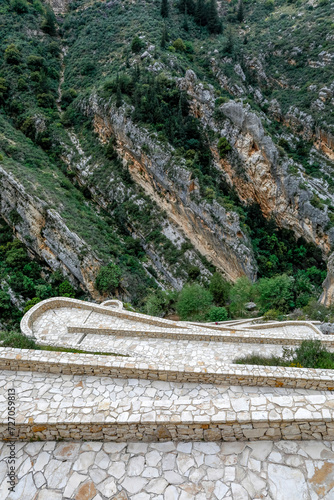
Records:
x=213, y=231
x=45, y=233
x=327, y=297
x=255, y=169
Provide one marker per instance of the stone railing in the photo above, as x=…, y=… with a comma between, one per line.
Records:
x=58, y=302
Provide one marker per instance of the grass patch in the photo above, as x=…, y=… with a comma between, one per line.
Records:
x=77, y=351
x=310, y=354
x=19, y=341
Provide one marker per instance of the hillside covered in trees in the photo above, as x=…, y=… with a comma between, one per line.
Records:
x=175, y=154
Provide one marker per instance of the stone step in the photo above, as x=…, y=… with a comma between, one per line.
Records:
x=75, y=407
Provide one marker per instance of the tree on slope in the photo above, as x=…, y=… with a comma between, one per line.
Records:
x=164, y=8
x=240, y=13
x=214, y=22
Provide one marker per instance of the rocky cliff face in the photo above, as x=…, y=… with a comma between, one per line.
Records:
x=301, y=123
x=45, y=234
x=213, y=231
x=253, y=73
x=327, y=297
x=256, y=169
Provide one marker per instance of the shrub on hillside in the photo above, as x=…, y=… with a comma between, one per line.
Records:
x=316, y=311
x=137, y=45
x=223, y=147
x=179, y=45
x=312, y=354
x=12, y=54
x=160, y=302
x=194, y=302
x=219, y=288
x=66, y=289
x=31, y=303
x=5, y=304
x=108, y=278
x=19, y=6
x=218, y=314
x=240, y=293
x=49, y=22
x=16, y=340
x=275, y=293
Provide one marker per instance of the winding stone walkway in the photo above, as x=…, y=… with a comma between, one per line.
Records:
x=177, y=382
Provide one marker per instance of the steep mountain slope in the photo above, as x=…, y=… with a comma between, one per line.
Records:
x=156, y=144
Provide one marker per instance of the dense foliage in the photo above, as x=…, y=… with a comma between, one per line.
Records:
x=158, y=102
x=25, y=282
x=204, y=13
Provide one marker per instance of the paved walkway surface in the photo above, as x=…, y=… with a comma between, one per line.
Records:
x=52, y=327
x=174, y=352
x=285, y=470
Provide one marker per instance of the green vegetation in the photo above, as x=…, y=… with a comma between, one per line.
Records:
x=277, y=252
x=218, y=314
x=108, y=278
x=219, y=288
x=34, y=141
x=31, y=303
x=160, y=303
x=223, y=147
x=193, y=302
x=29, y=281
x=310, y=354
x=204, y=13
x=164, y=8
x=17, y=340
x=158, y=102
x=218, y=300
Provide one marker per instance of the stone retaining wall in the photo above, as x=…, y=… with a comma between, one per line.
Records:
x=123, y=432
x=264, y=418
x=166, y=333
x=70, y=363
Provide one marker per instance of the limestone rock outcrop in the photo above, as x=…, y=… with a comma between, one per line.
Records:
x=255, y=168
x=59, y=6
x=214, y=231
x=46, y=234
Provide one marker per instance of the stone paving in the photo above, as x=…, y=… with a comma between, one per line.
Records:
x=66, y=391
x=177, y=352
x=97, y=328
x=65, y=406
x=62, y=396
x=285, y=470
